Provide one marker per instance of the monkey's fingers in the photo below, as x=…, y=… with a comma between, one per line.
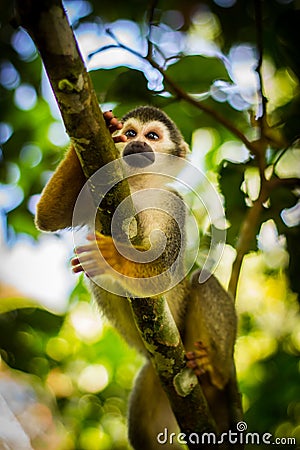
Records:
x=88, y=265
x=75, y=261
x=96, y=258
x=197, y=369
x=112, y=123
x=199, y=360
x=76, y=265
x=200, y=346
x=77, y=268
x=100, y=240
x=100, y=245
x=200, y=353
x=108, y=116
x=114, y=256
x=199, y=365
x=86, y=257
x=120, y=138
x=89, y=270
x=104, y=242
x=88, y=248
x=97, y=236
x=92, y=237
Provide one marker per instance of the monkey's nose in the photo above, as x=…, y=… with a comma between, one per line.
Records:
x=138, y=154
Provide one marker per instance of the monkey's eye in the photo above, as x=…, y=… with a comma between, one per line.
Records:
x=130, y=133
x=152, y=135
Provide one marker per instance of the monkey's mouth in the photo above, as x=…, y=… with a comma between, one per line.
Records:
x=138, y=154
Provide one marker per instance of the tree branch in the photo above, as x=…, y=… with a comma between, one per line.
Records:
x=276, y=182
x=248, y=230
x=250, y=224
x=150, y=20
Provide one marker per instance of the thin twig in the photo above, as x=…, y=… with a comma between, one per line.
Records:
x=150, y=21
x=248, y=230
x=250, y=224
x=259, y=41
x=276, y=182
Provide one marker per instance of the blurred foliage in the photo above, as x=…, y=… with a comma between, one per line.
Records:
x=73, y=372
x=80, y=370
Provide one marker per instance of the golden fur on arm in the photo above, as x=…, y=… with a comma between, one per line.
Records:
x=55, y=208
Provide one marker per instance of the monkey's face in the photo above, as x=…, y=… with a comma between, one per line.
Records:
x=144, y=140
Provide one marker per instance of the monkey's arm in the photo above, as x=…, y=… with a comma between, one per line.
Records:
x=89, y=259
x=55, y=208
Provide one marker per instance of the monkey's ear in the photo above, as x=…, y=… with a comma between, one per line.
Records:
x=55, y=208
x=183, y=149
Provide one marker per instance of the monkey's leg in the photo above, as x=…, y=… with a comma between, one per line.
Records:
x=150, y=414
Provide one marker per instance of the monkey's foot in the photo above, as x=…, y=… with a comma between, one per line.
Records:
x=97, y=257
x=199, y=360
x=101, y=256
x=111, y=255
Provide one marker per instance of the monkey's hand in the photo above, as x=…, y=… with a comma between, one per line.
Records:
x=200, y=362
x=113, y=124
x=101, y=255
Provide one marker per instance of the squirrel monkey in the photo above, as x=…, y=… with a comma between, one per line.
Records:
x=204, y=313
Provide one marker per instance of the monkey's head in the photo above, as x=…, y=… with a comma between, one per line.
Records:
x=149, y=130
